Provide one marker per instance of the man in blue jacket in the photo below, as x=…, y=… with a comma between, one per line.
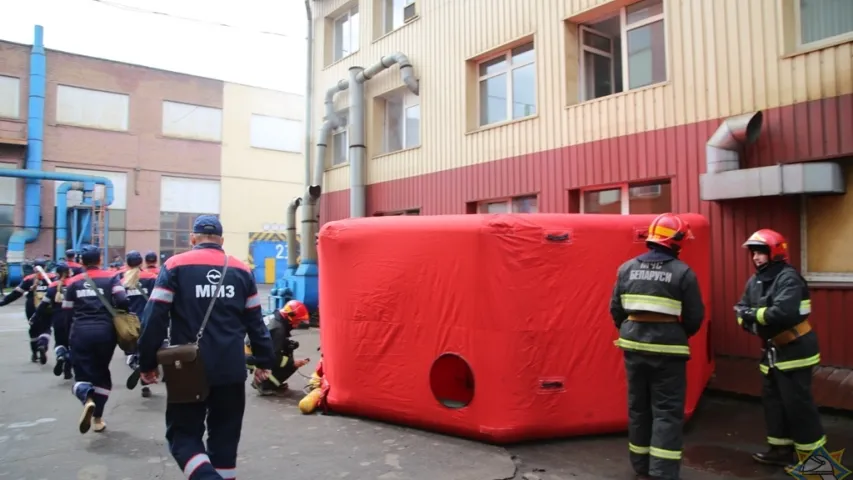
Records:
x=183, y=291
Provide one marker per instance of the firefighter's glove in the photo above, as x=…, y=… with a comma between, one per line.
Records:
x=748, y=320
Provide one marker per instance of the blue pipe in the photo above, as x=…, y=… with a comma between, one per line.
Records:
x=62, y=216
x=35, y=137
x=15, y=253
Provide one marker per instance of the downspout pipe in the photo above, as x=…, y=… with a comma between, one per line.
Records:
x=35, y=137
x=312, y=194
x=290, y=225
x=357, y=147
x=15, y=253
x=62, y=215
x=725, y=147
x=309, y=91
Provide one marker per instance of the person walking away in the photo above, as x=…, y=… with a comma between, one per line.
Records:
x=49, y=313
x=71, y=261
x=657, y=306
x=186, y=287
x=775, y=307
x=151, y=262
x=32, y=287
x=91, y=298
x=280, y=324
x=138, y=283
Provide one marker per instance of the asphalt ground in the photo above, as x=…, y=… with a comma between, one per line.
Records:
x=39, y=438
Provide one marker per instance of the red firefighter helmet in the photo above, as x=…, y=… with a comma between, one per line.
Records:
x=668, y=230
x=770, y=240
x=296, y=312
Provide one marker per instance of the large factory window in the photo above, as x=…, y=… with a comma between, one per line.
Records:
x=507, y=85
x=524, y=204
x=10, y=97
x=276, y=133
x=824, y=20
x=340, y=140
x=346, y=34
x=175, y=231
x=118, y=233
x=642, y=198
x=7, y=227
x=83, y=107
x=827, y=226
x=623, y=52
x=402, y=126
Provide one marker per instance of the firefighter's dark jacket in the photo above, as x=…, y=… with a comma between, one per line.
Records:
x=25, y=288
x=657, y=282
x=49, y=307
x=88, y=312
x=781, y=298
x=184, y=289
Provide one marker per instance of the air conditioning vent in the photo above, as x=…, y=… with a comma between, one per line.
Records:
x=409, y=12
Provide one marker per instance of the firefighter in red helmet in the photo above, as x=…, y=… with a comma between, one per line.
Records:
x=775, y=306
x=657, y=306
x=280, y=323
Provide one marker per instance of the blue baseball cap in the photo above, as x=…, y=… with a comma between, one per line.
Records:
x=70, y=252
x=207, y=225
x=151, y=256
x=133, y=258
x=61, y=268
x=90, y=255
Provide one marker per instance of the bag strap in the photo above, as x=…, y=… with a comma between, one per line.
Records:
x=217, y=290
x=100, y=295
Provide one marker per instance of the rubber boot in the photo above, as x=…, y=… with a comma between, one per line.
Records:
x=781, y=456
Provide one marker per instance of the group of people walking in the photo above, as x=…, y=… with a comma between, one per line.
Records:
x=657, y=314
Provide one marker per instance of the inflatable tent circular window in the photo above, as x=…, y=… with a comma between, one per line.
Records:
x=452, y=381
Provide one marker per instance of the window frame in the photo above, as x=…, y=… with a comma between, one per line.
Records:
x=341, y=130
x=335, y=34
x=408, y=212
x=798, y=27
x=821, y=277
x=17, y=104
x=482, y=205
x=586, y=48
x=409, y=101
x=388, y=10
x=507, y=70
x=624, y=193
x=622, y=55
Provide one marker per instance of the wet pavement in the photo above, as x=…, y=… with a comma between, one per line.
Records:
x=39, y=438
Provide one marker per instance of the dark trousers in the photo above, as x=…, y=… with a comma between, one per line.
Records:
x=278, y=375
x=656, y=390
x=93, y=350
x=790, y=413
x=185, y=426
x=39, y=334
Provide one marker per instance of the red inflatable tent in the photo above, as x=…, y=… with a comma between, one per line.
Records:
x=494, y=327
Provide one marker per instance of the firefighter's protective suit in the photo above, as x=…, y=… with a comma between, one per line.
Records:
x=280, y=323
x=775, y=307
x=657, y=306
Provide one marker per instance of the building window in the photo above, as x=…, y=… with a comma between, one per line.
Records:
x=395, y=14
x=826, y=223
x=507, y=85
x=409, y=212
x=524, y=204
x=118, y=233
x=824, y=19
x=626, y=199
x=274, y=133
x=7, y=227
x=623, y=52
x=175, y=232
x=346, y=34
x=340, y=140
x=195, y=122
x=10, y=97
x=83, y=107
x=402, y=124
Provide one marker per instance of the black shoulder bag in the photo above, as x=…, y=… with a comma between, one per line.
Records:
x=183, y=365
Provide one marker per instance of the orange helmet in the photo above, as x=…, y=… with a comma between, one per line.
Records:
x=296, y=312
x=668, y=230
x=770, y=240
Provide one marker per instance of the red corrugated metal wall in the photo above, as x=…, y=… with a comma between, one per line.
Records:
x=807, y=131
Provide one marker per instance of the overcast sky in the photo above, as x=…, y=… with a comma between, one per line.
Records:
x=122, y=30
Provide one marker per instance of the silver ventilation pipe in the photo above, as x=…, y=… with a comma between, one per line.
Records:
x=724, y=148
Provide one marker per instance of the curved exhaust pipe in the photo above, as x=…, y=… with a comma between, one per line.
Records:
x=724, y=148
